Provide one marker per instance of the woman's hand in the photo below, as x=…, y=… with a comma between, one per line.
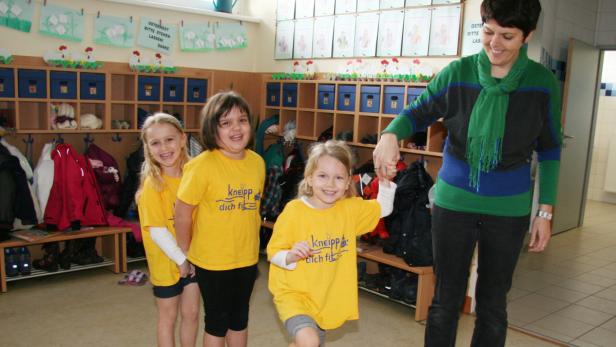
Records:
x=301, y=250
x=386, y=156
x=539, y=235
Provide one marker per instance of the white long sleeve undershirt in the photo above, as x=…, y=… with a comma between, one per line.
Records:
x=167, y=243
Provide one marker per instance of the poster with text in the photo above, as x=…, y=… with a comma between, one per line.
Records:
x=366, y=28
x=304, y=9
x=114, y=31
x=61, y=22
x=231, y=36
x=387, y=4
x=324, y=7
x=284, y=39
x=197, y=37
x=411, y=3
x=285, y=10
x=416, y=34
x=156, y=35
x=16, y=14
x=390, y=34
x=344, y=36
x=367, y=5
x=323, y=37
x=444, y=30
x=346, y=6
x=302, y=41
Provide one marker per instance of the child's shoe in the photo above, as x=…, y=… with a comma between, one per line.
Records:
x=10, y=261
x=25, y=263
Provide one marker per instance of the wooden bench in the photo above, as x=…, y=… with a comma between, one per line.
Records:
x=425, y=275
x=113, y=249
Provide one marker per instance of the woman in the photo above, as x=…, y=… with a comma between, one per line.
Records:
x=498, y=107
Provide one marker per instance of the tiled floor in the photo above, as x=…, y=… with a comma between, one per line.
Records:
x=569, y=292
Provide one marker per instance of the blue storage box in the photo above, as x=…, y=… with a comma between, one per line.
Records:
x=63, y=85
x=173, y=89
x=327, y=93
x=370, y=99
x=412, y=94
x=289, y=95
x=149, y=88
x=273, y=94
x=7, y=83
x=92, y=86
x=196, y=90
x=346, y=98
x=32, y=83
x=394, y=99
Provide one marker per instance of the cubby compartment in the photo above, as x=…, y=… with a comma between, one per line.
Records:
x=33, y=115
x=63, y=84
x=324, y=123
x=384, y=122
x=437, y=133
x=123, y=116
x=393, y=99
x=177, y=111
x=286, y=116
x=192, y=119
x=367, y=130
x=417, y=141
x=343, y=127
x=148, y=88
x=307, y=95
x=122, y=87
x=346, y=97
x=370, y=99
x=413, y=93
x=173, y=89
x=32, y=83
x=327, y=96
x=196, y=90
x=91, y=86
x=289, y=95
x=97, y=109
x=7, y=83
x=305, y=125
x=273, y=94
x=7, y=114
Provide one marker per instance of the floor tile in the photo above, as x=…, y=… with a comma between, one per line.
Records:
x=603, y=272
x=584, y=314
x=523, y=315
x=590, y=260
x=600, y=337
x=580, y=286
x=596, y=279
x=547, y=332
x=540, y=302
x=580, y=343
x=516, y=293
x=599, y=304
x=529, y=284
x=563, y=326
x=610, y=325
x=561, y=293
x=609, y=293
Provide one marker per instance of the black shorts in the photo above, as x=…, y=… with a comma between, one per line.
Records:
x=165, y=292
x=226, y=297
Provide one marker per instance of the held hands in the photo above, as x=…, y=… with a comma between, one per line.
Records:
x=386, y=156
x=301, y=250
x=540, y=235
x=187, y=269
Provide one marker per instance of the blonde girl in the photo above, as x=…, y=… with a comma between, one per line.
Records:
x=217, y=217
x=172, y=276
x=313, y=271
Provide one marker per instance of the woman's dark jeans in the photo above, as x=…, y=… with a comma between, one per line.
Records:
x=454, y=235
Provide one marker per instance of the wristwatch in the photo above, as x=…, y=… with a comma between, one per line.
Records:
x=544, y=214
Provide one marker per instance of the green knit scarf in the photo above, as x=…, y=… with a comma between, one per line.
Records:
x=487, y=124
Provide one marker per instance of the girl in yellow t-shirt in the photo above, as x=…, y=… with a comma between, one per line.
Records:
x=217, y=217
x=313, y=271
x=172, y=276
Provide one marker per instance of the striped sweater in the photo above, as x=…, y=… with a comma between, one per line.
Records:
x=532, y=124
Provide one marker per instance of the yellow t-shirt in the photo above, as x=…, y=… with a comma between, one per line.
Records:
x=227, y=194
x=323, y=286
x=156, y=209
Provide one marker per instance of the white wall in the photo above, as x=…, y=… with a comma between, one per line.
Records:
x=35, y=44
x=606, y=26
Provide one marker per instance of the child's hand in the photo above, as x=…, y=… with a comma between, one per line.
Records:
x=300, y=250
x=187, y=269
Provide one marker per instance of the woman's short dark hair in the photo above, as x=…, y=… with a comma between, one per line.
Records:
x=521, y=14
x=218, y=106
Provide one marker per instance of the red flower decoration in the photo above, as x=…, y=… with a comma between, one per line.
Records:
x=158, y=56
x=136, y=53
x=415, y=61
x=89, y=49
x=358, y=60
x=309, y=62
x=384, y=62
x=395, y=60
x=295, y=63
x=63, y=47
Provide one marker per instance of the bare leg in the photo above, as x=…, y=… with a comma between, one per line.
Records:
x=213, y=341
x=237, y=338
x=306, y=337
x=167, y=314
x=189, y=307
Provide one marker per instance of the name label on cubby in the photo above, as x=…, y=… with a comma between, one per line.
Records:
x=347, y=100
x=147, y=89
x=196, y=93
x=63, y=87
x=92, y=87
x=394, y=102
x=326, y=99
x=1, y=86
x=172, y=91
x=32, y=86
x=369, y=101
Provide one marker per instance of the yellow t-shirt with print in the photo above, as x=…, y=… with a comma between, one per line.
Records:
x=323, y=286
x=227, y=195
x=156, y=209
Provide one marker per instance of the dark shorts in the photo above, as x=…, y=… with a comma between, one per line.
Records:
x=165, y=292
x=226, y=297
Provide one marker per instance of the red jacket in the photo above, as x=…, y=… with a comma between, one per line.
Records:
x=74, y=195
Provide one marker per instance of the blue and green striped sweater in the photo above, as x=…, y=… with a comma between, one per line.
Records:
x=532, y=124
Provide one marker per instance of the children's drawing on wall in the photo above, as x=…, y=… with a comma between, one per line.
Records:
x=284, y=39
x=416, y=34
x=366, y=29
x=324, y=7
x=444, y=30
x=114, y=31
x=303, y=38
x=390, y=33
x=323, y=37
x=16, y=14
x=304, y=9
x=61, y=22
x=346, y=6
x=231, y=36
x=344, y=36
x=197, y=37
x=285, y=10
x=367, y=5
